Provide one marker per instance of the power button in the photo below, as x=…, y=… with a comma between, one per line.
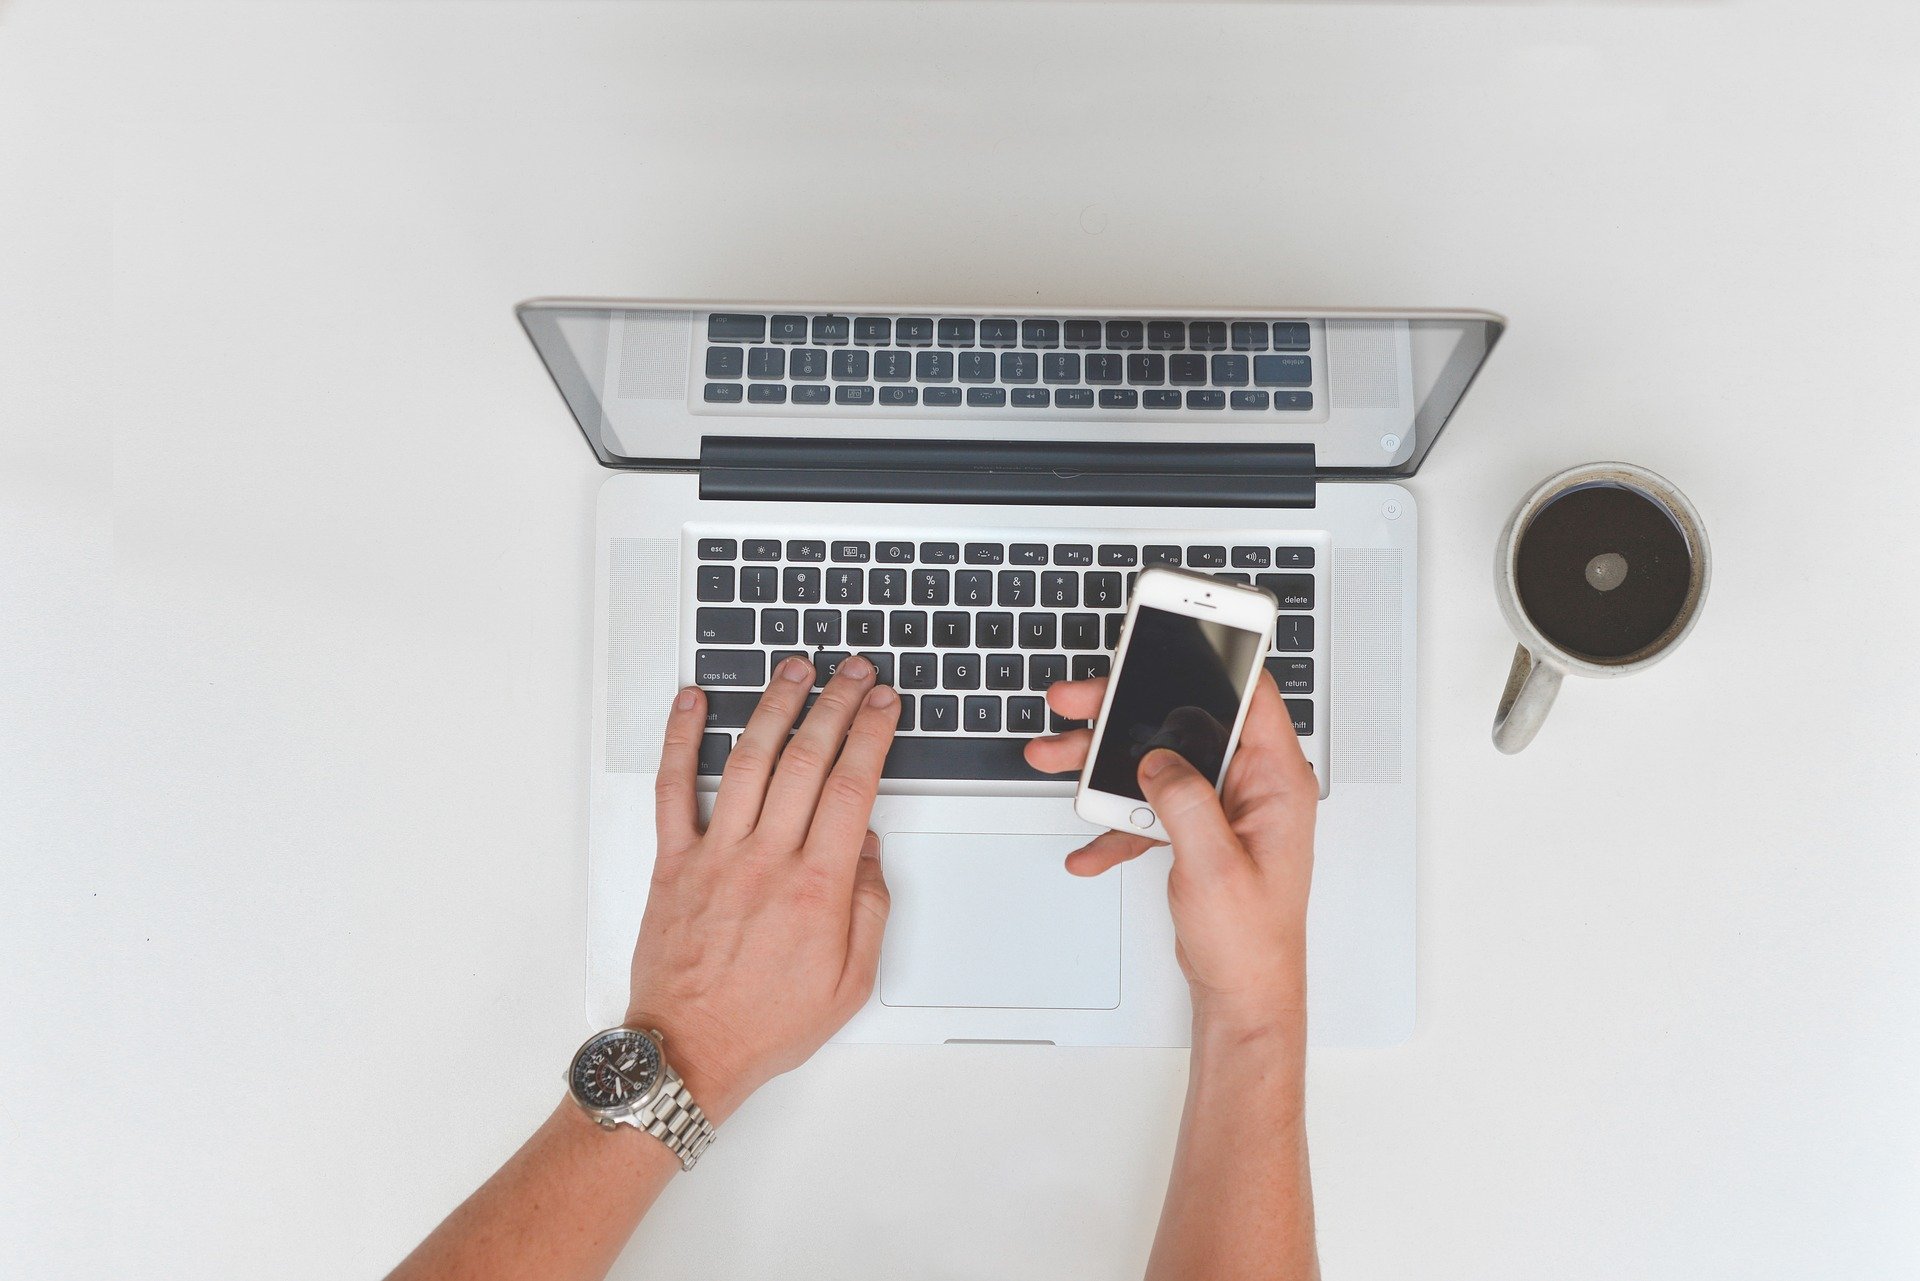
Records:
x=1142, y=817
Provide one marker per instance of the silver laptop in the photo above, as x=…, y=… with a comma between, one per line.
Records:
x=965, y=496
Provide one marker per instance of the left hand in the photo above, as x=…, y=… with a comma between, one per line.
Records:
x=762, y=932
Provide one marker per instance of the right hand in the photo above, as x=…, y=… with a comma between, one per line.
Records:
x=1242, y=857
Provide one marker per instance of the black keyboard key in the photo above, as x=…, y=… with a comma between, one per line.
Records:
x=850, y=552
x=730, y=708
x=1207, y=335
x=1291, y=335
x=931, y=586
x=976, y=366
x=892, y=366
x=1301, y=710
x=942, y=397
x=767, y=393
x=1058, y=724
x=1060, y=590
x=726, y=362
x=1016, y=588
x=1026, y=715
x=780, y=656
x=866, y=628
x=907, y=628
x=892, y=395
x=714, y=749
x=1040, y=333
x=956, y=333
x=845, y=587
x=913, y=331
x=872, y=331
x=1119, y=398
x=986, y=397
x=1230, y=370
x=1293, y=557
x=940, y=553
x=1198, y=399
x=1073, y=398
x=853, y=394
x=806, y=549
x=1112, y=628
x=1006, y=671
x=1251, y=558
x=1187, y=370
x=763, y=549
x=1242, y=579
x=1027, y=554
x=1145, y=369
x=800, y=585
x=1082, y=333
x=1160, y=398
x=723, y=626
x=779, y=627
x=960, y=671
x=759, y=584
x=1019, y=367
x=1039, y=631
x=808, y=363
x=1162, y=554
x=973, y=587
x=906, y=713
x=1118, y=554
x=893, y=552
x=999, y=333
x=1105, y=367
x=1045, y=669
x=723, y=393
x=1125, y=335
x=1073, y=553
x=887, y=586
x=850, y=365
x=1293, y=400
x=1283, y=371
x=1031, y=397
x=1061, y=367
x=1207, y=557
x=831, y=329
x=986, y=554
x=812, y=394
x=993, y=631
x=1293, y=634
x=788, y=329
x=933, y=366
x=1292, y=675
x=1088, y=667
x=1080, y=631
x=919, y=671
x=952, y=629
x=939, y=713
x=965, y=759
x=1293, y=591
x=1249, y=400
x=982, y=713
x=729, y=668
x=1166, y=335
x=716, y=549
x=1249, y=335
x=714, y=583
x=882, y=664
x=825, y=663
x=1103, y=590
x=730, y=327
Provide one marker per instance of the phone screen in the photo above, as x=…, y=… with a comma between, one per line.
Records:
x=1179, y=687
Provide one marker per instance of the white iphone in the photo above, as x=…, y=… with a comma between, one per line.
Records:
x=1182, y=679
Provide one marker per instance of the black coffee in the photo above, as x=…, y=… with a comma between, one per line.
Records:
x=1603, y=571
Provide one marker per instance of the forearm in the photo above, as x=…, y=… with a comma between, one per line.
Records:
x=1239, y=1201
x=560, y=1209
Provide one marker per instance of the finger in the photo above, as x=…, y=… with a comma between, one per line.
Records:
x=1190, y=811
x=1077, y=700
x=1268, y=765
x=676, y=811
x=1107, y=850
x=846, y=800
x=802, y=771
x=1058, y=753
x=871, y=903
x=743, y=784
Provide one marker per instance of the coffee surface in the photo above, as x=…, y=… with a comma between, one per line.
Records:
x=1603, y=571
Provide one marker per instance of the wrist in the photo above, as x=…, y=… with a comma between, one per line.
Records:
x=718, y=1090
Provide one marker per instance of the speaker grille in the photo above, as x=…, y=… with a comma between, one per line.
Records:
x=643, y=648
x=1363, y=364
x=1368, y=739
x=653, y=354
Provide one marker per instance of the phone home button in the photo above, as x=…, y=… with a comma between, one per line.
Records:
x=1141, y=817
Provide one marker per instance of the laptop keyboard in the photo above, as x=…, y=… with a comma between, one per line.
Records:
x=971, y=632
x=1026, y=364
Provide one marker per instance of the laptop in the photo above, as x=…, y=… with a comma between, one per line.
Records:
x=965, y=496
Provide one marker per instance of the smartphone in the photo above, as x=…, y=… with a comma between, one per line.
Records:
x=1182, y=679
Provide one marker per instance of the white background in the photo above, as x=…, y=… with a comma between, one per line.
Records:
x=294, y=574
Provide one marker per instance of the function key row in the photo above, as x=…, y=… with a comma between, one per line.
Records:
x=927, y=331
x=907, y=397
x=906, y=552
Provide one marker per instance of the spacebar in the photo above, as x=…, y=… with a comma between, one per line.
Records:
x=968, y=758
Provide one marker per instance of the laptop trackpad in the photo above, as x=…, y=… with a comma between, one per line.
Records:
x=995, y=920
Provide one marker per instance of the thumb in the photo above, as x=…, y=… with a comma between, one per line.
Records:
x=1190, y=810
x=870, y=904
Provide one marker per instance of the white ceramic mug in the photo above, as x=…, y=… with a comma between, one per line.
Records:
x=1540, y=664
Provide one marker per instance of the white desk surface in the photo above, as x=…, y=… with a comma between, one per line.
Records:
x=296, y=545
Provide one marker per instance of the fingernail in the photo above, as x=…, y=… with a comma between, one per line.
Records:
x=880, y=696
x=870, y=847
x=795, y=669
x=685, y=701
x=1158, y=761
x=857, y=668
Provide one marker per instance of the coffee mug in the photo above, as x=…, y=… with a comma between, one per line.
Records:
x=1601, y=571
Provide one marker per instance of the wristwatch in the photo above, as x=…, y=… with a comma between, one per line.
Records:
x=620, y=1077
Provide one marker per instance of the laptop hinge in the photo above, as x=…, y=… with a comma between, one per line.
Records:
x=786, y=469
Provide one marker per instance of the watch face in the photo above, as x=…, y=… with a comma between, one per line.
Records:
x=615, y=1068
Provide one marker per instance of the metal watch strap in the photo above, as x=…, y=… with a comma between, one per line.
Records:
x=677, y=1121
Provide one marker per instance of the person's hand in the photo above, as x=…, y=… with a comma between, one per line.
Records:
x=1242, y=859
x=762, y=933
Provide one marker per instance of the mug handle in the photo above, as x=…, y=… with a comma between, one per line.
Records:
x=1531, y=685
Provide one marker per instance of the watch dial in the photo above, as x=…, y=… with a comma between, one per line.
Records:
x=615, y=1068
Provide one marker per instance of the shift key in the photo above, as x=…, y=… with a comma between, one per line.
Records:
x=730, y=708
x=724, y=626
x=744, y=668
